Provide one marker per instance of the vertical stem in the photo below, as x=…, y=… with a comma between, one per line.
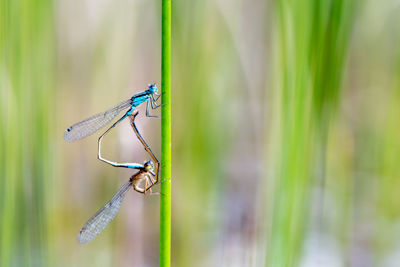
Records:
x=165, y=204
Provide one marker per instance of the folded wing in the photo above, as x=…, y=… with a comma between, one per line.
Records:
x=103, y=217
x=91, y=125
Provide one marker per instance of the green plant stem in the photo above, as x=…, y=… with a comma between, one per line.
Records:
x=165, y=202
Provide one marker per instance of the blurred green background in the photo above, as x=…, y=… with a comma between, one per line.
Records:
x=285, y=131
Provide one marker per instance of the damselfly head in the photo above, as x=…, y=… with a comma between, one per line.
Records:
x=153, y=88
x=148, y=165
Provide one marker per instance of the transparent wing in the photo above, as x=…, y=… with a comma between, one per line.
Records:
x=91, y=125
x=103, y=217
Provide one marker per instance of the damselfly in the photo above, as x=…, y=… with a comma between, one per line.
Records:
x=91, y=125
x=104, y=216
x=142, y=181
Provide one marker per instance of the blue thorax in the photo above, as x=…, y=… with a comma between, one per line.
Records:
x=143, y=96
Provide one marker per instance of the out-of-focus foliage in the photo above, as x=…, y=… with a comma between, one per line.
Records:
x=27, y=81
x=311, y=45
x=285, y=131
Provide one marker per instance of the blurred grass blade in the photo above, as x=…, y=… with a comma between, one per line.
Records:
x=312, y=44
x=27, y=85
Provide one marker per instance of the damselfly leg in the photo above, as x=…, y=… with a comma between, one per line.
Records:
x=152, y=102
x=149, y=103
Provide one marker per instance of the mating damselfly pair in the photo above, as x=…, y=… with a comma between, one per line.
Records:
x=142, y=180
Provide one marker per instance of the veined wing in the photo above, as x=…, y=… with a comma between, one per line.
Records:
x=103, y=217
x=91, y=125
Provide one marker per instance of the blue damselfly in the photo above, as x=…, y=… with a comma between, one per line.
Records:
x=91, y=125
